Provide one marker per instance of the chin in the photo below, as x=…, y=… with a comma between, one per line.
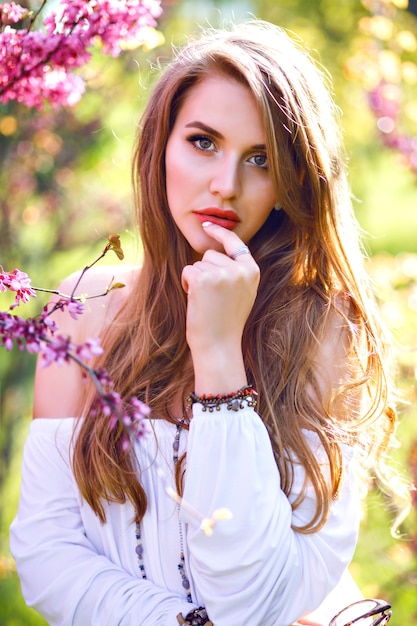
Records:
x=200, y=245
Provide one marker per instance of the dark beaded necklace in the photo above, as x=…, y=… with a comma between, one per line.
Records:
x=139, y=545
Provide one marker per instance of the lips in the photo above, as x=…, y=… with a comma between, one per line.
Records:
x=223, y=217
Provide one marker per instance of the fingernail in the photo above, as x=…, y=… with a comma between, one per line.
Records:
x=205, y=224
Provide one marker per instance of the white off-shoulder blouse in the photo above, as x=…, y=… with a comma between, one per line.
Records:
x=254, y=570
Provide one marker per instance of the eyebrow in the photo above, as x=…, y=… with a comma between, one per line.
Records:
x=215, y=133
x=205, y=128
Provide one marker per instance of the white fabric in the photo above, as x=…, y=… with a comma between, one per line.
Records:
x=253, y=571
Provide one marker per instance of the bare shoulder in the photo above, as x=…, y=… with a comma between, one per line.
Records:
x=336, y=332
x=104, y=290
x=59, y=389
x=331, y=361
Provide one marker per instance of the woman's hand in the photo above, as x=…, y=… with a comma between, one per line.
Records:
x=221, y=292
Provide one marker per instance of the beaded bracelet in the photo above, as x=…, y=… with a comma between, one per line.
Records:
x=234, y=401
x=198, y=617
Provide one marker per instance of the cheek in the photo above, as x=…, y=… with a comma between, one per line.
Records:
x=265, y=198
x=169, y=167
x=176, y=172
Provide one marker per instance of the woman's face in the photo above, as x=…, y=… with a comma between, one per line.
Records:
x=216, y=163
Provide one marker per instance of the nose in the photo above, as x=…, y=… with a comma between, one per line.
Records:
x=226, y=181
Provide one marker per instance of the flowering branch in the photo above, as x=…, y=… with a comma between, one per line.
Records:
x=38, y=65
x=40, y=335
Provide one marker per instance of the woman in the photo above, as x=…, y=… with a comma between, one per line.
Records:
x=252, y=290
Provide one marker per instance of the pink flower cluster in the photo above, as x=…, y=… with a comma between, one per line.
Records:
x=40, y=335
x=26, y=334
x=19, y=282
x=131, y=415
x=384, y=102
x=38, y=66
x=13, y=12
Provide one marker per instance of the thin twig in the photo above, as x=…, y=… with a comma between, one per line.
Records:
x=87, y=267
x=34, y=16
x=73, y=298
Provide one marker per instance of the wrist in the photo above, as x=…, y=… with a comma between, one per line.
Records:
x=219, y=371
x=240, y=399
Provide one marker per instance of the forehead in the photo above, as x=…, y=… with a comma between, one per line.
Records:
x=222, y=101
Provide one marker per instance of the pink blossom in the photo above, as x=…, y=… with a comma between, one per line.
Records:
x=38, y=66
x=25, y=333
x=7, y=327
x=110, y=405
x=135, y=418
x=140, y=407
x=18, y=282
x=13, y=12
x=118, y=21
x=126, y=444
x=104, y=378
x=35, y=67
x=48, y=321
x=57, y=351
x=75, y=308
x=89, y=349
x=132, y=415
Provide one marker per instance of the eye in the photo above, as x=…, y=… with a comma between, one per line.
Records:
x=202, y=142
x=260, y=160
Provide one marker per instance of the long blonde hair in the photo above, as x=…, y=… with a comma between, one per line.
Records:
x=311, y=273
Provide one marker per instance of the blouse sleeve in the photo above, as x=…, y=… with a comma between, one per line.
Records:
x=62, y=575
x=254, y=568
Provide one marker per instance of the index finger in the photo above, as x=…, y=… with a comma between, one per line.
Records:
x=232, y=244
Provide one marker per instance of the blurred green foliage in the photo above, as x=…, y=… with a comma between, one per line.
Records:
x=65, y=185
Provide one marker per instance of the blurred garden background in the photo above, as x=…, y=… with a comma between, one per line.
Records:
x=65, y=185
